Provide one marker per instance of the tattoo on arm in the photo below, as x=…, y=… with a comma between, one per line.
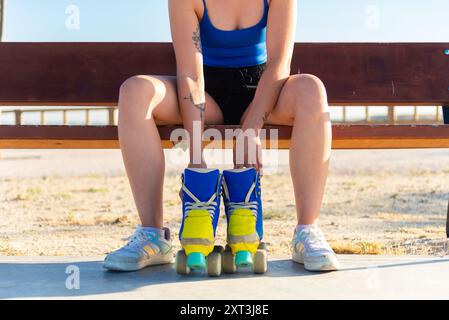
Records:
x=265, y=117
x=197, y=39
x=200, y=106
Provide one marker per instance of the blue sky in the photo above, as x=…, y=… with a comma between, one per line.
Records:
x=147, y=20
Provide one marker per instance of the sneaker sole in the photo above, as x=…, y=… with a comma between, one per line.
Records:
x=151, y=261
x=318, y=264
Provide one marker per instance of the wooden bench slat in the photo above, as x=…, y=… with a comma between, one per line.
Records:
x=345, y=137
x=91, y=73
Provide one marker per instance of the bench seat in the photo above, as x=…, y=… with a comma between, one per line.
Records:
x=345, y=137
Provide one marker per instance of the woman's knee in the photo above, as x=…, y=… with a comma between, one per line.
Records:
x=309, y=94
x=136, y=95
x=138, y=87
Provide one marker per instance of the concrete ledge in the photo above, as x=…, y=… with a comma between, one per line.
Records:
x=361, y=277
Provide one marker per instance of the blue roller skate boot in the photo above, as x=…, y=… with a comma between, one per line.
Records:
x=243, y=203
x=201, y=190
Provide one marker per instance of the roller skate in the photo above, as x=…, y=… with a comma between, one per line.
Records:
x=201, y=190
x=243, y=204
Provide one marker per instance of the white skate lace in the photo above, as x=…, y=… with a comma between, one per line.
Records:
x=314, y=238
x=251, y=205
x=209, y=205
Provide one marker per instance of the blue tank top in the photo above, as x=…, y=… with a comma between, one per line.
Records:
x=234, y=48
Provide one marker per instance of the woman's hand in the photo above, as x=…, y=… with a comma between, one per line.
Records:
x=248, y=149
x=248, y=155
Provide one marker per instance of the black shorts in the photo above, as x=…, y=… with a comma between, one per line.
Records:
x=233, y=89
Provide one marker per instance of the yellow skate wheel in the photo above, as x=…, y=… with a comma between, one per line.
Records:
x=228, y=261
x=181, y=263
x=261, y=260
x=214, y=262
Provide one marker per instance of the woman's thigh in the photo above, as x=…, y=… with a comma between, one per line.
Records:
x=163, y=105
x=298, y=90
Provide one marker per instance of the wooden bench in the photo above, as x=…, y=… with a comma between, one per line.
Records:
x=90, y=74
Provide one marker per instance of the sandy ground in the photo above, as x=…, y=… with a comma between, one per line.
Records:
x=79, y=203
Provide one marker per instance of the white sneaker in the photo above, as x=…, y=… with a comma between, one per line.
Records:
x=144, y=248
x=311, y=249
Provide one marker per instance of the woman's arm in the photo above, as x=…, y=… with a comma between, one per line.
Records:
x=281, y=29
x=189, y=60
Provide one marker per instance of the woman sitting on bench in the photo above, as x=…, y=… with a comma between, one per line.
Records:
x=233, y=67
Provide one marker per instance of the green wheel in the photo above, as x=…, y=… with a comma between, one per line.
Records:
x=244, y=259
x=196, y=261
x=214, y=262
x=260, y=261
x=181, y=263
x=228, y=261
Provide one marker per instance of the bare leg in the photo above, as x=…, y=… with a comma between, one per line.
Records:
x=142, y=98
x=303, y=104
x=145, y=102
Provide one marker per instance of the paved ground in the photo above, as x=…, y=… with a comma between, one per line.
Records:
x=362, y=277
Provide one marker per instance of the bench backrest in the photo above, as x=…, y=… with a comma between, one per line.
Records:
x=91, y=73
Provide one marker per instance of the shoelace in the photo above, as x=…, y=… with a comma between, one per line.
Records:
x=209, y=205
x=314, y=237
x=251, y=205
x=138, y=238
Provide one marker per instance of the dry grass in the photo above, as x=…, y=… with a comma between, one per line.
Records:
x=370, y=248
x=73, y=220
x=6, y=250
x=395, y=216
